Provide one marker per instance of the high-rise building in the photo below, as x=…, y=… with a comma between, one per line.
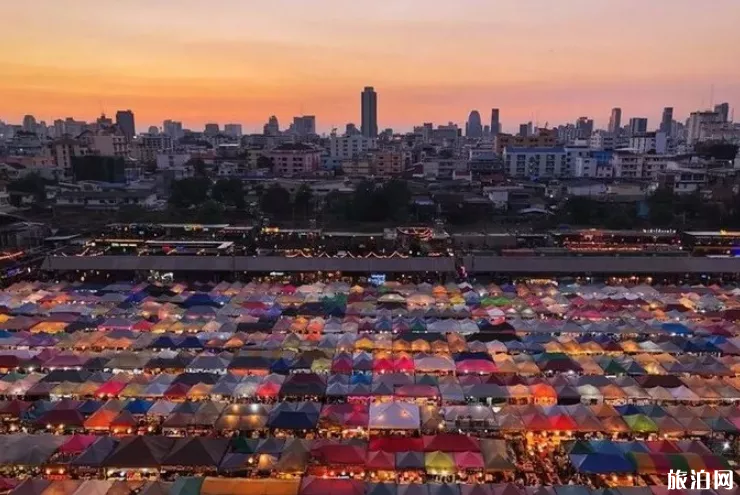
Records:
x=495, y=124
x=272, y=128
x=29, y=123
x=666, y=121
x=211, y=129
x=584, y=127
x=125, y=121
x=369, y=110
x=615, y=120
x=304, y=125
x=474, y=127
x=233, y=130
x=723, y=109
x=638, y=125
x=172, y=128
x=697, y=122
x=58, y=128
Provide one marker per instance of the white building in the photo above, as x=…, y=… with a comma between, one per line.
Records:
x=683, y=180
x=628, y=165
x=444, y=169
x=150, y=146
x=601, y=141
x=589, y=167
x=650, y=142
x=697, y=120
x=345, y=147
x=166, y=161
x=535, y=162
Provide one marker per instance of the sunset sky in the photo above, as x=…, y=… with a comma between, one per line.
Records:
x=244, y=60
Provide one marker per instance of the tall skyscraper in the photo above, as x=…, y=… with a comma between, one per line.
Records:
x=29, y=123
x=369, y=109
x=666, y=122
x=638, y=125
x=125, y=121
x=305, y=125
x=474, y=127
x=233, y=130
x=272, y=128
x=584, y=127
x=524, y=130
x=495, y=124
x=172, y=128
x=615, y=120
x=211, y=129
x=723, y=109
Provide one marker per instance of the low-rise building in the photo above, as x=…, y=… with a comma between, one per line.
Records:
x=683, y=179
x=298, y=159
x=649, y=142
x=544, y=138
x=388, y=163
x=102, y=197
x=106, y=141
x=535, y=162
x=350, y=146
x=629, y=165
x=357, y=167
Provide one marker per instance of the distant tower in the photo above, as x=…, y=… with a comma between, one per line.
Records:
x=125, y=121
x=29, y=123
x=723, y=109
x=615, y=120
x=638, y=126
x=666, y=122
x=474, y=128
x=495, y=124
x=369, y=111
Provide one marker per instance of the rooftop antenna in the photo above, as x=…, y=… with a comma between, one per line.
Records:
x=711, y=96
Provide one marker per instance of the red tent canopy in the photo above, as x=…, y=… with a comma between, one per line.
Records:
x=450, y=442
x=381, y=461
x=342, y=365
x=177, y=391
x=110, y=388
x=397, y=444
x=476, y=366
x=340, y=455
x=77, y=444
x=468, y=460
x=403, y=364
x=562, y=422
x=268, y=389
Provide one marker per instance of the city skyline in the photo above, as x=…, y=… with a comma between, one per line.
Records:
x=225, y=61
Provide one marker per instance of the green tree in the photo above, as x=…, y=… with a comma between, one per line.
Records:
x=303, y=201
x=230, y=192
x=210, y=212
x=276, y=201
x=30, y=184
x=190, y=191
x=199, y=167
x=662, y=204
